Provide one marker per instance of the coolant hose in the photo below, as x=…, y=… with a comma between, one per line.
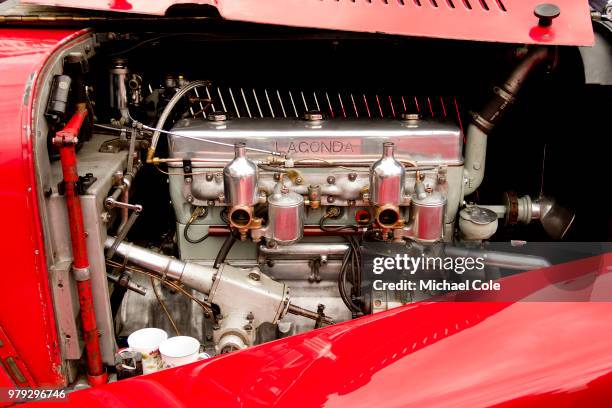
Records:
x=484, y=122
x=225, y=248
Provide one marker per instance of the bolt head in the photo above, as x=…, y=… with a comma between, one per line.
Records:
x=313, y=115
x=410, y=116
x=218, y=116
x=254, y=276
x=331, y=180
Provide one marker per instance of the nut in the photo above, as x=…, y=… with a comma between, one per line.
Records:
x=313, y=115
x=410, y=116
x=218, y=116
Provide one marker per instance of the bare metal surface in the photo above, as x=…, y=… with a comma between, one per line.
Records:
x=427, y=217
x=427, y=143
x=102, y=166
x=240, y=179
x=506, y=260
x=195, y=276
x=302, y=250
x=387, y=178
x=285, y=216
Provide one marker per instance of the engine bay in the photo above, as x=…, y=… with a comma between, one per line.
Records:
x=228, y=184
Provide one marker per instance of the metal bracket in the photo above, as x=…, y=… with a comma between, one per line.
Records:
x=321, y=318
x=315, y=275
x=125, y=280
x=123, y=233
x=116, y=145
x=81, y=186
x=187, y=170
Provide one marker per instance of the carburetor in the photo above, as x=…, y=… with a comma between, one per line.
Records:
x=387, y=185
x=240, y=189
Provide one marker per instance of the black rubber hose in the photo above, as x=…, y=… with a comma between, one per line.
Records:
x=347, y=262
x=188, y=225
x=192, y=241
x=336, y=228
x=341, y=284
x=225, y=248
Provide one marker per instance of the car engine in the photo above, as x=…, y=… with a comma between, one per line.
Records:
x=227, y=188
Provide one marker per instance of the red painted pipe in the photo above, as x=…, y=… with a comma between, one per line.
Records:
x=66, y=140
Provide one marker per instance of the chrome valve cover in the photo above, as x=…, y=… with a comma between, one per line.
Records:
x=425, y=141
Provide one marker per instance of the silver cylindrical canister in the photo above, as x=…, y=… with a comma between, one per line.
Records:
x=285, y=216
x=387, y=177
x=240, y=179
x=118, y=85
x=427, y=217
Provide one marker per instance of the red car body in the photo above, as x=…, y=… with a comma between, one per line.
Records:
x=505, y=353
x=27, y=319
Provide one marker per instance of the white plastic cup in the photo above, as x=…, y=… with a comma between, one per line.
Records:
x=180, y=350
x=146, y=342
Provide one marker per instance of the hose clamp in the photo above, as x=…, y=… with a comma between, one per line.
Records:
x=482, y=123
x=81, y=274
x=505, y=95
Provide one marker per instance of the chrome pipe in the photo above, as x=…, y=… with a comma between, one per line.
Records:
x=507, y=260
x=193, y=275
x=305, y=249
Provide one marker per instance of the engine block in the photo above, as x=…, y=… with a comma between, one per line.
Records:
x=329, y=162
